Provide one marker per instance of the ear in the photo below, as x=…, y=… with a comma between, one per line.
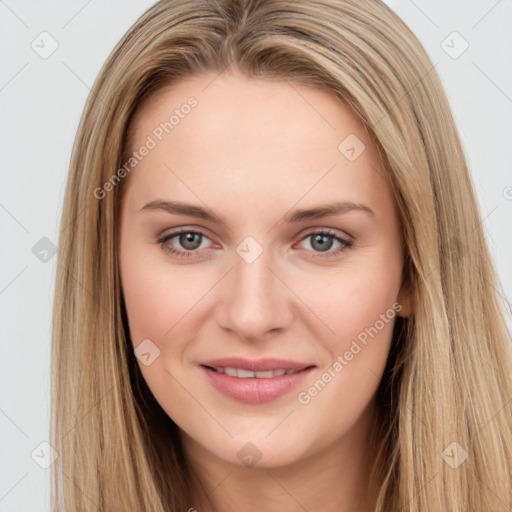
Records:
x=405, y=299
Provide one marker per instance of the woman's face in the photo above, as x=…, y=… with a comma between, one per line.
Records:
x=260, y=271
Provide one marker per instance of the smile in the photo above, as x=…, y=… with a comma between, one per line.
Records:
x=247, y=374
x=255, y=387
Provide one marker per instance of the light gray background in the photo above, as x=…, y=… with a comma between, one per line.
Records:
x=41, y=101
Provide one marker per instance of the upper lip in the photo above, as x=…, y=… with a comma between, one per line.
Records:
x=255, y=365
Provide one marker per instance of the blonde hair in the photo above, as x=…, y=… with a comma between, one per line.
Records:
x=448, y=377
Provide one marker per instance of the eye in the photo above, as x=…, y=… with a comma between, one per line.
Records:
x=189, y=239
x=322, y=241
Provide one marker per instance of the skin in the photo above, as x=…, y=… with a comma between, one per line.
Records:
x=251, y=151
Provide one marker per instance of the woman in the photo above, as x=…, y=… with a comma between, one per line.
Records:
x=334, y=341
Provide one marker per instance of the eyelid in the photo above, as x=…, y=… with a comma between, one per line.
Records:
x=330, y=231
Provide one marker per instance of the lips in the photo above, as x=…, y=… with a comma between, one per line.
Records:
x=255, y=381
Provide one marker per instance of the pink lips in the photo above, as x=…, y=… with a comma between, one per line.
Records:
x=254, y=390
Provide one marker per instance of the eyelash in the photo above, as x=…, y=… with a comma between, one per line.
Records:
x=345, y=244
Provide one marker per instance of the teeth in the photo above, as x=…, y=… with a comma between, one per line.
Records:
x=229, y=371
x=247, y=374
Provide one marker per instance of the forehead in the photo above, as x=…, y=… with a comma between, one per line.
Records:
x=253, y=138
x=241, y=107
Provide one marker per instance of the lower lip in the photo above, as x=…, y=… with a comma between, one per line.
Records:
x=253, y=390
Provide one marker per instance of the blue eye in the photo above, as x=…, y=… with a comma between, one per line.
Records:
x=324, y=240
x=187, y=238
x=191, y=241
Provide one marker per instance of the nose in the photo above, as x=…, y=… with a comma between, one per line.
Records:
x=256, y=299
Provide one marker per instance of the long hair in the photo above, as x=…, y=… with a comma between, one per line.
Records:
x=444, y=436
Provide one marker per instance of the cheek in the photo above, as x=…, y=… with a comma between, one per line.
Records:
x=159, y=302
x=162, y=305
x=361, y=310
x=353, y=298
x=358, y=305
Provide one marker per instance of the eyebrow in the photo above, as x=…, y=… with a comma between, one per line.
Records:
x=325, y=210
